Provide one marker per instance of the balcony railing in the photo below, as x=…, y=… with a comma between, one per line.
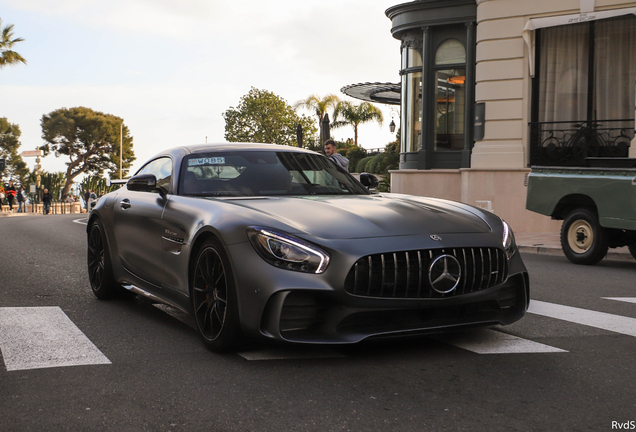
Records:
x=569, y=143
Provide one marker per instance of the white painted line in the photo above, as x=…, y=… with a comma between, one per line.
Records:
x=82, y=221
x=44, y=337
x=486, y=341
x=601, y=320
x=305, y=352
x=623, y=299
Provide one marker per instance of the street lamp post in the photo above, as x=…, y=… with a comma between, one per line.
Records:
x=299, y=135
x=121, y=150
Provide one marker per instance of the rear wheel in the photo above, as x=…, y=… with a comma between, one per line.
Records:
x=583, y=240
x=214, y=298
x=100, y=270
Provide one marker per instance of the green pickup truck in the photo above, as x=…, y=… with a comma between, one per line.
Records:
x=597, y=205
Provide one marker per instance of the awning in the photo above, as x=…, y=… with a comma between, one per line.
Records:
x=537, y=23
x=386, y=93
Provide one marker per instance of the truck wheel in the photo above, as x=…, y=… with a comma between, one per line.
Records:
x=583, y=240
x=632, y=249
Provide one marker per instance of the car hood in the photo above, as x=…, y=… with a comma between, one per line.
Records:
x=350, y=217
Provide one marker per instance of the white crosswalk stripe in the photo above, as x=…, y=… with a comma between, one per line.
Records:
x=486, y=341
x=623, y=299
x=601, y=320
x=44, y=337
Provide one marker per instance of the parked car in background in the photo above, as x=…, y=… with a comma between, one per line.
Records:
x=596, y=203
x=275, y=242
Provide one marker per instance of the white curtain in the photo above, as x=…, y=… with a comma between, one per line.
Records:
x=564, y=66
x=615, y=69
x=563, y=74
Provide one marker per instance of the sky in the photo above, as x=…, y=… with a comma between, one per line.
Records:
x=170, y=68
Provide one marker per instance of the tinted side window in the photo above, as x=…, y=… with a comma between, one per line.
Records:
x=162, y=169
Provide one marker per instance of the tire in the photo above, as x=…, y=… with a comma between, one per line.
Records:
x=583, y=240
x=214, y=299
x=100, y=270
x=632, y=249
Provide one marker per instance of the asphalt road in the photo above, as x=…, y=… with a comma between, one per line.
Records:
x=567, y=366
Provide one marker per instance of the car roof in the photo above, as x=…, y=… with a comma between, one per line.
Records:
x=202, y=148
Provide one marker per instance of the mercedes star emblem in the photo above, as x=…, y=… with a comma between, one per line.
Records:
x=444, y=273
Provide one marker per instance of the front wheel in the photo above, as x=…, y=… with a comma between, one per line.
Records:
x=214, y=298
x=583, y=240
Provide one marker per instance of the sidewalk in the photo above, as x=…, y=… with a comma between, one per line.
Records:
x=550, y=244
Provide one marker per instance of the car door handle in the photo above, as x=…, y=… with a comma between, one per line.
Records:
x=125, y=203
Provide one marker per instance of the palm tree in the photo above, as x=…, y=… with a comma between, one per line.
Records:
x=319, y=107
x=8, y=57
x=355, y=115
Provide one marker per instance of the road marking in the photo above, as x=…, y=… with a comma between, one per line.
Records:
x=82, y=221
x=486, y=341
x=44, y=337
x=601, y=320
x=623, y=299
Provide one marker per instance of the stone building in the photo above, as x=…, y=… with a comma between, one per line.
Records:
x=490, y=87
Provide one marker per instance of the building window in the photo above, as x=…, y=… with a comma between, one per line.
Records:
x=450, y=79
x=583, y=94
x=412, y=98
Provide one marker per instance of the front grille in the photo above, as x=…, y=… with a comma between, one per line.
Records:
x=406, y=274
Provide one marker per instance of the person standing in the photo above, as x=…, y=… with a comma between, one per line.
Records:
x=332, y=153
x=10, y=191
x=46, y=200
x=87, y=195
x=20, y=198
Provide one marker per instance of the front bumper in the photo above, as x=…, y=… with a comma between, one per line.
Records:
x=308, y=308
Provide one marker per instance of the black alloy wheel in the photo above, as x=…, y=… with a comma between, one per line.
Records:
x=583, y=239
x=214, y=298
x=100, y=274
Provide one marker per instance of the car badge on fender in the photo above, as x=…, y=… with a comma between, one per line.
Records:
x=444, y=273
x=436, y=237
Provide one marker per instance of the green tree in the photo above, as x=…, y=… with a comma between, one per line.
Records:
x=264, y=117
x=319, y=107
x=96, y=184
x=348, y=114
x=90, y=139
x=8, y=57
x=54, y=182
x=15, y=168
x=355, y=154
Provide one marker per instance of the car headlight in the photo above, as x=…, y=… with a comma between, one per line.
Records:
x=508, y=239
x=288, y=252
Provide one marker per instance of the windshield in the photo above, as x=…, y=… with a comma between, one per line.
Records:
x=264, y=173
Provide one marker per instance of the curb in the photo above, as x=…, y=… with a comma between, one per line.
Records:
x=618, y=254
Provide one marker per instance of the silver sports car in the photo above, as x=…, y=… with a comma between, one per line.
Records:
x=275, y=242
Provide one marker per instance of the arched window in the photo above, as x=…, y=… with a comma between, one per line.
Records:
x=450, y=91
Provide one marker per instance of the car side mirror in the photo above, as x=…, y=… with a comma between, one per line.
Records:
x=369, y=180
x=143, y=183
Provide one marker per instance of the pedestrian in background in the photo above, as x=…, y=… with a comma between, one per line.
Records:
x=20, y=198
x=46, y=200
x=10, y=191
x=2, y=195
x=87, y=195
x=332, y=153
